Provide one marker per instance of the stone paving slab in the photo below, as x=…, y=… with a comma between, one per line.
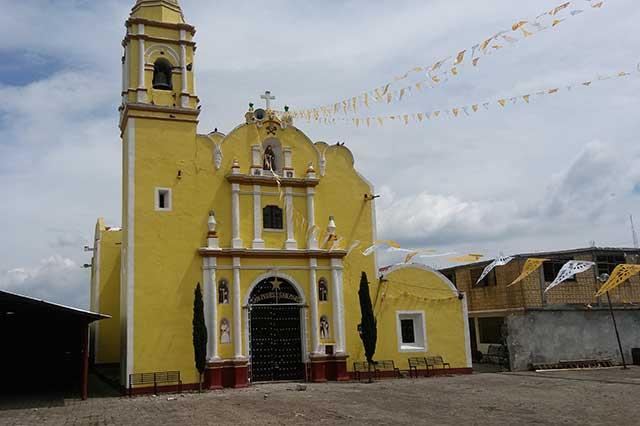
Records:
x=596, y=397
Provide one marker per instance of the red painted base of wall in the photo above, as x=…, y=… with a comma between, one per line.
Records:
x=213, y=375
x=318, y=369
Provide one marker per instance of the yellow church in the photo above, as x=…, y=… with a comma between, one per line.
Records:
x=270, y=223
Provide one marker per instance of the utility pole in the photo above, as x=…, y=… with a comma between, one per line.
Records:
x=633, y=232
x=603, y=279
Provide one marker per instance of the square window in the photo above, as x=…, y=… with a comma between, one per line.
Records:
x=163, y=199
x=408, y=332
x=411, y=331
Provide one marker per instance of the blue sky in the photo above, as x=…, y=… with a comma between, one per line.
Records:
x=554, y=174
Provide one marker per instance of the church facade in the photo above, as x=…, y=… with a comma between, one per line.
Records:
x=269, y=223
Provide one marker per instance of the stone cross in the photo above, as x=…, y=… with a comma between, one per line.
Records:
x=268, y=98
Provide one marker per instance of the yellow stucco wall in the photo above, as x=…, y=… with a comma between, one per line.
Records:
x=167, y=152
x=418, y=289
x=106, y=283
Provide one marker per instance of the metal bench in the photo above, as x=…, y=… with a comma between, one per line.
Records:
x=360, y=367
x=156, y=378
x=434, y=361
x=416, y=364
x=387, y=365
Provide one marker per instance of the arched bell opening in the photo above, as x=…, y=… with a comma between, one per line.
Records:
x=162, y=74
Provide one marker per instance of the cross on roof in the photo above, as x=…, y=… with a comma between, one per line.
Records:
x=268, y=97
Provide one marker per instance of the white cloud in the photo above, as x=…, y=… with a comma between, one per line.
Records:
x=496, y=181
x=55, y=279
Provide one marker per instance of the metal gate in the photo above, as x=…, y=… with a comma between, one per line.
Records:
x=275, y=332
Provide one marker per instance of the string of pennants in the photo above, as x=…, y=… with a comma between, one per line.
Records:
x=451, y=66
x=469, y=109
x=620, y=274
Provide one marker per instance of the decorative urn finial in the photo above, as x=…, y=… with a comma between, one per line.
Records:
x=212, y=223
x=331, y=227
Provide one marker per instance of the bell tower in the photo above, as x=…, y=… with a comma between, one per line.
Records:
x=158, y=60
x=158, y=121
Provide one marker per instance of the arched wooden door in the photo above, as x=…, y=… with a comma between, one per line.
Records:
x=275, y=339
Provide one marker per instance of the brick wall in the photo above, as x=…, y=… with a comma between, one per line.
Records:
x=529, y=292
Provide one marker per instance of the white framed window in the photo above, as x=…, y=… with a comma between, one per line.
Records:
x=163, y=199
x=411, y=331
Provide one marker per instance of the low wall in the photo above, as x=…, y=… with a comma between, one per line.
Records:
x=553, y=335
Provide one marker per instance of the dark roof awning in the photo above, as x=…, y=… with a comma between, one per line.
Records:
x=11, y=303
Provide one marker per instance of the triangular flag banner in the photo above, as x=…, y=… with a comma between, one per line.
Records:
x=502, y=102
x=530, y=265
x=466, y=258
x=526, y=98
x=502, y=260
x=517, y=25
x=568, y=270
x=474, y=107
x=459, y=58
x=378, y=244
x=620, y=274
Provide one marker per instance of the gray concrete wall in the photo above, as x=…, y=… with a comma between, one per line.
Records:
x=550, y=336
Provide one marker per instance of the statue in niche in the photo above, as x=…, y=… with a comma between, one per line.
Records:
x=322, y=291
x=269, y=162
x=223, y=293
x=225, y=332
x=324, y=328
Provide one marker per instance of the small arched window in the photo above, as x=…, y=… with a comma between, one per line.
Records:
x=323, y=290
x=162, y=75
x=272, y=217
x=223, y=292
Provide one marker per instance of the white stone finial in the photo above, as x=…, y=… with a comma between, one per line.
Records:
x=268, y=97
x=212, y=222
x=331, y=227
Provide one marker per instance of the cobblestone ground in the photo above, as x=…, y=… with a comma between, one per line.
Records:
x=593, y=397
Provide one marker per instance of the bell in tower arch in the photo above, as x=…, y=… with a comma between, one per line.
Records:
x=162, y=75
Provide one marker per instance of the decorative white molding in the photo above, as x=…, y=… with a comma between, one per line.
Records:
x=271, y=274
x=290, y=243
x=168, y=199
x=184, y=97
x=258, y=242
x=130, y=253
x=323, y=163
x=419, y=331
x=467, y=334
x=211, y=306
x=312, y=241
x=174, y=58
x=338, y=305
x=271, y=268
x=236, y=241
x=141, y=94
x=237, y=311
x=217, y=156
x=313, y=302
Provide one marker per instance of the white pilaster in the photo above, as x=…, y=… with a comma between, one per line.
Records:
x=211, y=306
x=235, y=215
x=237, y=310
x=258, y=242
x=184, y=97
x=312, y=241
x=338, y=305
x=313, y=302
x=291, y=243
x=141, y=62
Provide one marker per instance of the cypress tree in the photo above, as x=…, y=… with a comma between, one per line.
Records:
x=199, y=334
x=368, y=325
